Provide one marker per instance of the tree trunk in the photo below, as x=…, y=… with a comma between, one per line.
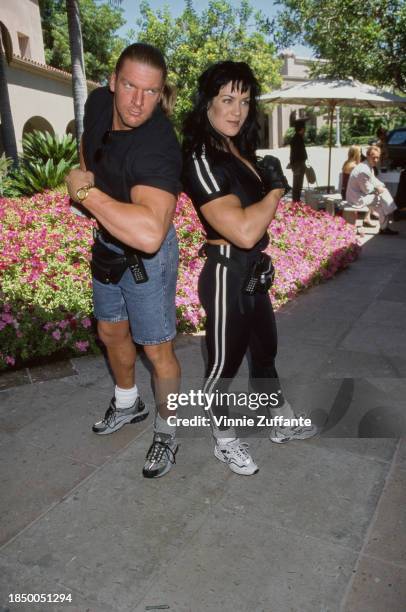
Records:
x=79, y=87
x=7, y=124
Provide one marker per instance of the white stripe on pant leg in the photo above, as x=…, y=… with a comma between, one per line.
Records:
x=219, y=288
x=220, y=327
x=216, y=335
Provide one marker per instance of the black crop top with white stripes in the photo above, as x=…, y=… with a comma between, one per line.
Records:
x=205, y=180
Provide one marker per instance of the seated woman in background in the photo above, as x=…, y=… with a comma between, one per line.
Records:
x=354, y=158
x=236, y=200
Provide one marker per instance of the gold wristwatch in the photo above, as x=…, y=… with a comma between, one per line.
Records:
x=83, y=192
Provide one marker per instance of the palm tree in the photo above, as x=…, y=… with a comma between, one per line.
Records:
x=79, y=86
x=7, y=124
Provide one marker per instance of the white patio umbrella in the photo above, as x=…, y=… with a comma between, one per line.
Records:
x=333, y=93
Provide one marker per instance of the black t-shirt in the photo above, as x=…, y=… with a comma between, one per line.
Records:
x=120, y=159
x=205, y=180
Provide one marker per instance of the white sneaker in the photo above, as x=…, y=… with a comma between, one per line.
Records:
x=280, y=434
x=236, y=455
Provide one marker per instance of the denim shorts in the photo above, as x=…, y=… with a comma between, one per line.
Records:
x=149, y=307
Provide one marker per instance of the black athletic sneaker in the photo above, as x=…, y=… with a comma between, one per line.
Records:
x=160, y=456
x=116, y=418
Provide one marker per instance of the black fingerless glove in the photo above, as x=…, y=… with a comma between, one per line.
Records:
x=271, y=173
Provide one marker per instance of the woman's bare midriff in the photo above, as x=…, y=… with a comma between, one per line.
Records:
x=217, y=242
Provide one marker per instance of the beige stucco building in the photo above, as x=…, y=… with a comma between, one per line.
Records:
x=40, y=96
x=276, y=119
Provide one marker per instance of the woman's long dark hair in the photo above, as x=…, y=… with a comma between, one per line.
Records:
x=197, y=130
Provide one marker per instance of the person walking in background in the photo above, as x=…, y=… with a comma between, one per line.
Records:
x=129, y=181
x=298, y=157
x=365, y=189
x=382, y=143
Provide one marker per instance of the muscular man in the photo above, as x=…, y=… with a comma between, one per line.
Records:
x=129, y=181
x=365, y=189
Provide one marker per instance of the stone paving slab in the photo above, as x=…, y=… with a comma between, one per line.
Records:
x=103, y=536
x=15, y=576
x=340, y=516
x=378, y=587
x=387, y=540
x=32, y=480
x=342, y=363
x=238, y=563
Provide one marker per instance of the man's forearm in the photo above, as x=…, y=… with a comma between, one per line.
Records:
x=133, y=224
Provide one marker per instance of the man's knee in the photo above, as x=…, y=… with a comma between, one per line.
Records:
x=113, y=334
x=160, y=354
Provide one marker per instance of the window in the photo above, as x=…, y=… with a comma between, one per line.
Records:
x=398, y=138
x=24, y=45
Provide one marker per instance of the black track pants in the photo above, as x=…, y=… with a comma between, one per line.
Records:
x=236, y=323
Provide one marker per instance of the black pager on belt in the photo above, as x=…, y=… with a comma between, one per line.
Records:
x=137, y=268
x=260, y=277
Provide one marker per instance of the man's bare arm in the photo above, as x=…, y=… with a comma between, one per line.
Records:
x=143, y=224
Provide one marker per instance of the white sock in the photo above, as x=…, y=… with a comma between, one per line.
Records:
x=125, y=398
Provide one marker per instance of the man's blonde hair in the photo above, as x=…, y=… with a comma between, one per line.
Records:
x=373, y=148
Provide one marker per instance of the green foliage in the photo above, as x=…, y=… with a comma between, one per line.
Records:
x=365, y=40
x=309, y=137
x=323, y=134
x=6, y=164
x=41, y=146
x=310, y=134
x=46, y=161
x=192, y=41
x=101, y=44
x=33, y=177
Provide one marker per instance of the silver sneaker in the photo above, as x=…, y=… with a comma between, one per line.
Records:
x=280, y=434
x=160, y=456
x=116, y=418
x=237, y=457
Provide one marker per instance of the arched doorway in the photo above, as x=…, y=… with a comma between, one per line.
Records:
x=70, y=128
x=37, y=123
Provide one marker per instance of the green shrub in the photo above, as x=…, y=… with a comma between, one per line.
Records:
x=310, y=134
x=46, y=161
x=6, y=164
x=309, y=137
x=290, y=132
x=322, y=135
x=41, y=146
x=30, y=178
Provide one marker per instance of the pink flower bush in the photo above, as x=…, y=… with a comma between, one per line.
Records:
x=45, y=296
x=306, y=247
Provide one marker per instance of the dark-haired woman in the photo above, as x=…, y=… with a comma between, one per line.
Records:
x=236, y=200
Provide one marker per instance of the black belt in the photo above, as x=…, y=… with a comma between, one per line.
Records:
x=107, y=237
x=238, y=260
